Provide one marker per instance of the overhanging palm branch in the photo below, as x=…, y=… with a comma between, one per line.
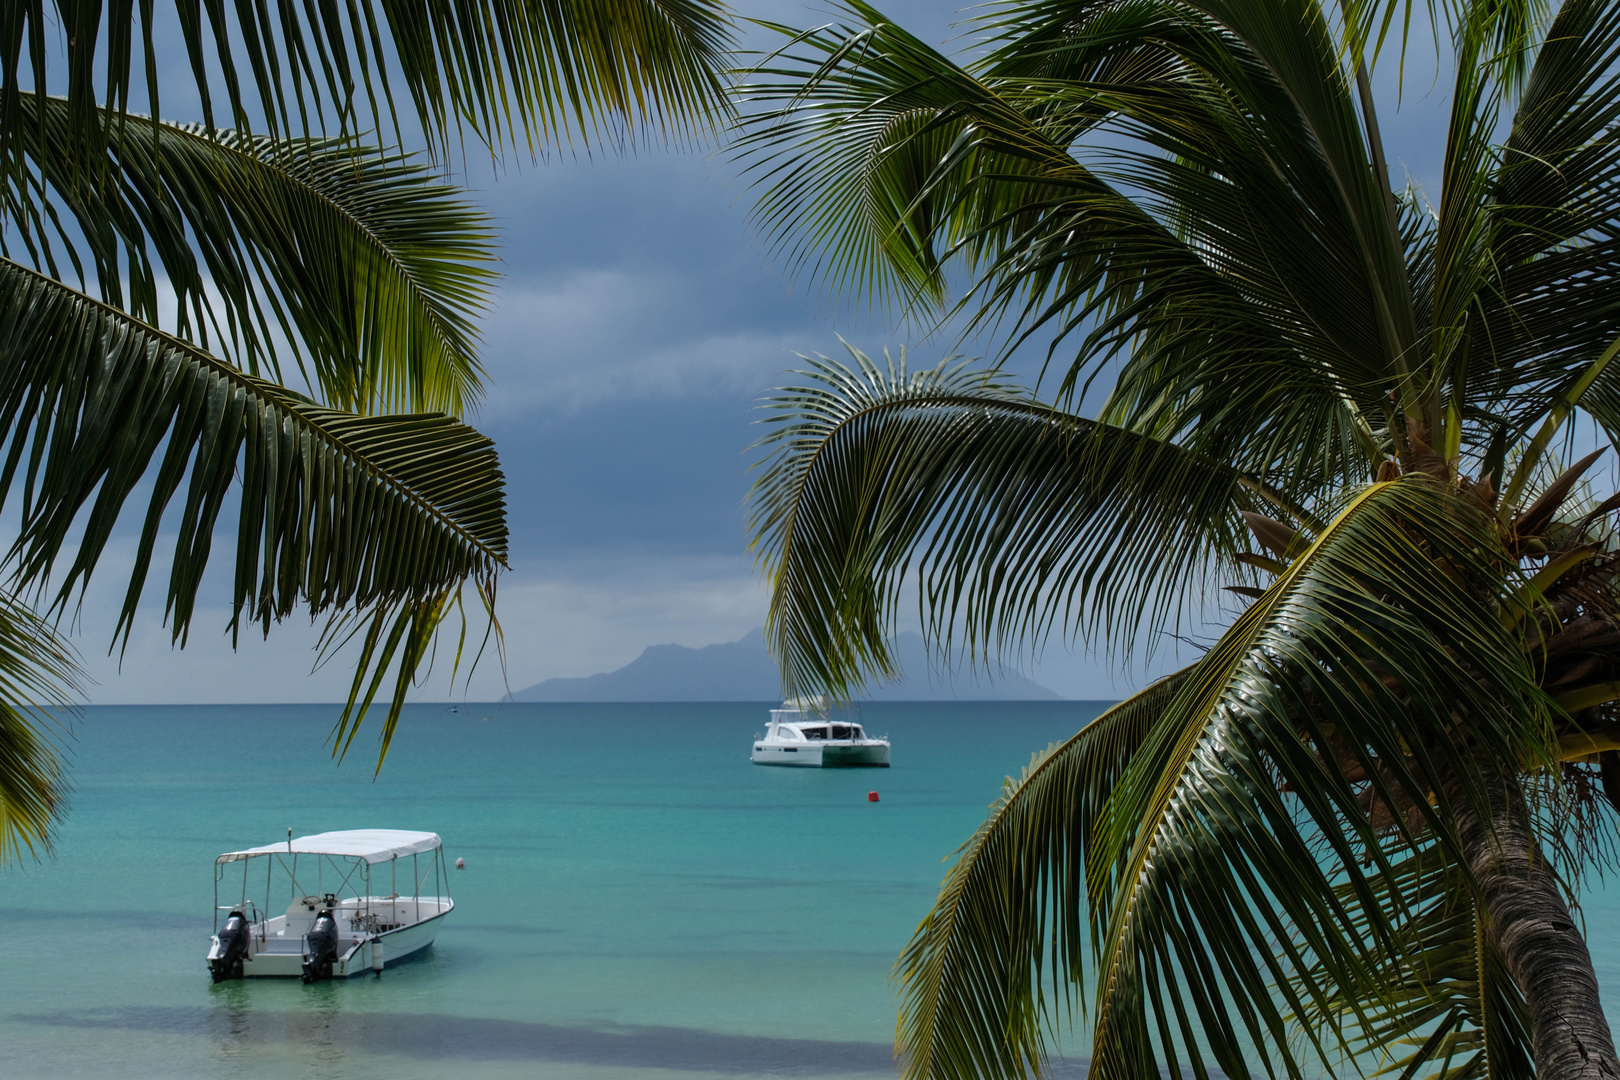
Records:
x=366, y=268
x=39, y=682
x=1230, y=235
x=1248, y=831
x=1441, y=1004
x=389, y=515
x=1015, y=515
x=522, y=73
x=845, y=150
x=1009, y=921
x=1559, y=223
x=1052, y=239
x=288, y=236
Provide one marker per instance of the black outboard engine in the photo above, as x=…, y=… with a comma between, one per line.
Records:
x=226, y=960
x=322, y=951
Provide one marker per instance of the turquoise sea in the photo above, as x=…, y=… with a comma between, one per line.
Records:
x=639, y=901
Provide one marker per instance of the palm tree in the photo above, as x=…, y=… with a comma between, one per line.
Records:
x=1349, y=834
x=159, y=282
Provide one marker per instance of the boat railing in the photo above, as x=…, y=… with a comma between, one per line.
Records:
x=369, y=923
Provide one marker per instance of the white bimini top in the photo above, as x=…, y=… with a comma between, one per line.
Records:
x=372, y=845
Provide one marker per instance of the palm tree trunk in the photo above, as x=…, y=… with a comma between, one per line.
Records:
x=1531, y=927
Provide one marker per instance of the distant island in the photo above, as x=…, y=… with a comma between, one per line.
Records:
x=744, y=671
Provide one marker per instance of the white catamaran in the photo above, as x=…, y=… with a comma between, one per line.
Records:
x=802, y=733
x=356, y=904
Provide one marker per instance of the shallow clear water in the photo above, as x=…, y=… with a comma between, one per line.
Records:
x=639, y=900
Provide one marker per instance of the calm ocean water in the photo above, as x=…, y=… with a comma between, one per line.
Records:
x=639, y=902
x=639, y=899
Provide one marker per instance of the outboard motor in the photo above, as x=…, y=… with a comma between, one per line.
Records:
x=225, y=959
x=322, y=951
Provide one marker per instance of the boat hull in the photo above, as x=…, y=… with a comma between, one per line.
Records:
x=271, y=959
x=828, y=755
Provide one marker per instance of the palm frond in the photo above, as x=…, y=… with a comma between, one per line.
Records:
x=844, y=149
x=1221, y=906
x=1510, y=27
x=1227, y=914
x=1252, y=154
x=39, y=686
x=528, y=74
x=1058, y=245
x=1440, y=1005
x=1556, y=234
x=1018, y=518
x=337, y=511
x=1011, y=912
x=369, y=270
x=1275, y=870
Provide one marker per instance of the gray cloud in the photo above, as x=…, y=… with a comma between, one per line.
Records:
x=637, y=323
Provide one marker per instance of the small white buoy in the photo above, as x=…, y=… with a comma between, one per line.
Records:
x=461, y=864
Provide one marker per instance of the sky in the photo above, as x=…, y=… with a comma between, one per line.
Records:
x=636, y=325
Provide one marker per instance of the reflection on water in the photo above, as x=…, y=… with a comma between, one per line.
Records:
x=324, y=1026
x=230, y=1025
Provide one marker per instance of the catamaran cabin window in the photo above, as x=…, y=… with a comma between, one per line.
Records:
x=814, y=732
x=787, y=734
x=840, y=731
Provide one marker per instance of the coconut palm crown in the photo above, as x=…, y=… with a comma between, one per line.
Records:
x=1348, y=836
x=161, y=282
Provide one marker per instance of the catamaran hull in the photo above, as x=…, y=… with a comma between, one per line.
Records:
x=823, y=756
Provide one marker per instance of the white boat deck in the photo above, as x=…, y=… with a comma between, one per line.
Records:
x=373, y=931
x=394, y=928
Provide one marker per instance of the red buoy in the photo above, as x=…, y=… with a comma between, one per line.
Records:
x=871, y=796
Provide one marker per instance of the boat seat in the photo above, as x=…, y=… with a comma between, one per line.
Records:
x=300, y=917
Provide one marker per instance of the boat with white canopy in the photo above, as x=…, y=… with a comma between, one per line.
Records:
x=803, y=733
x=355, y=901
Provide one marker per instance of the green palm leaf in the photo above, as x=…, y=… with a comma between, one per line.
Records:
x=1016, y=515
x=845, y=150
x=333, y=254
x=388, y=515
x=1252, y=238
x=1055, y=244
x=1440, y=1005
x=1222, y=908
x=1010, y=914
x=1293, y=869
x=1556, y=222
x=39, y=682
x=524, y=73
x=370, y=270
x=1351, y=662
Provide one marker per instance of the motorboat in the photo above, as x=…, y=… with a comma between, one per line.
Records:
x=354, y=902
x=802, y=732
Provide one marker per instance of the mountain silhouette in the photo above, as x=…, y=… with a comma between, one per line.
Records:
x=744, y=671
